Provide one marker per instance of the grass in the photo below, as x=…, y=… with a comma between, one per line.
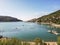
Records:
x=12, y=41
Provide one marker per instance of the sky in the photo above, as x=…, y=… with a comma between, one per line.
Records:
x=28, y=9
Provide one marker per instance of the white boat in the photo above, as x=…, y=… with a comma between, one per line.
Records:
x=49, y=30
x=52, y=31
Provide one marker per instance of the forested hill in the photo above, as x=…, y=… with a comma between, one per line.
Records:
x=52, y=17
x=8, y=19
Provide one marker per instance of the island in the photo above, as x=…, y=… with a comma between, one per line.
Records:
x=8, y=19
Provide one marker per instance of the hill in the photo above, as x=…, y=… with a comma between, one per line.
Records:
x=52, y=17
x=8, y=19
x=32, y=20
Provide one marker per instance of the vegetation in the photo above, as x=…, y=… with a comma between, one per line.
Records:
x=53, y=17
x=58, y=40
x=8, y=19
x=38, y=41
x=14, y=41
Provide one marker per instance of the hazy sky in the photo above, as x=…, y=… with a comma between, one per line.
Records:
x=28, y=9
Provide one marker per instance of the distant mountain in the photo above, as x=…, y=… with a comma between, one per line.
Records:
x=53, y=17
x=32, y=20
x=8, y=19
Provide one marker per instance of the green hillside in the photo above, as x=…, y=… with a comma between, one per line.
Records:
x=53, y=17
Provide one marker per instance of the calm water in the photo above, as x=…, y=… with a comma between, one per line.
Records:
x=26, y=31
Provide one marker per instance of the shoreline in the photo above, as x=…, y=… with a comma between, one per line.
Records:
x=52, y=24
x=56, y=25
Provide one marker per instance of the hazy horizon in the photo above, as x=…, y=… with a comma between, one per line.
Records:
x=28, y=9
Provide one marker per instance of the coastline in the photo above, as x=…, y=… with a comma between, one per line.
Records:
x=56, y=25
x=52, y=24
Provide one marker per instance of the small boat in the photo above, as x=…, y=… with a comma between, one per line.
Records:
x=17, y=27
x=22, y=25
x=53, y=32
x=49, y=30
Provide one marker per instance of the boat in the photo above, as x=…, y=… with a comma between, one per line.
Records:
x=53, y=32
x=49, y=30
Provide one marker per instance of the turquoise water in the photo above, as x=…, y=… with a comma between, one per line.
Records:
x=26, y=31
